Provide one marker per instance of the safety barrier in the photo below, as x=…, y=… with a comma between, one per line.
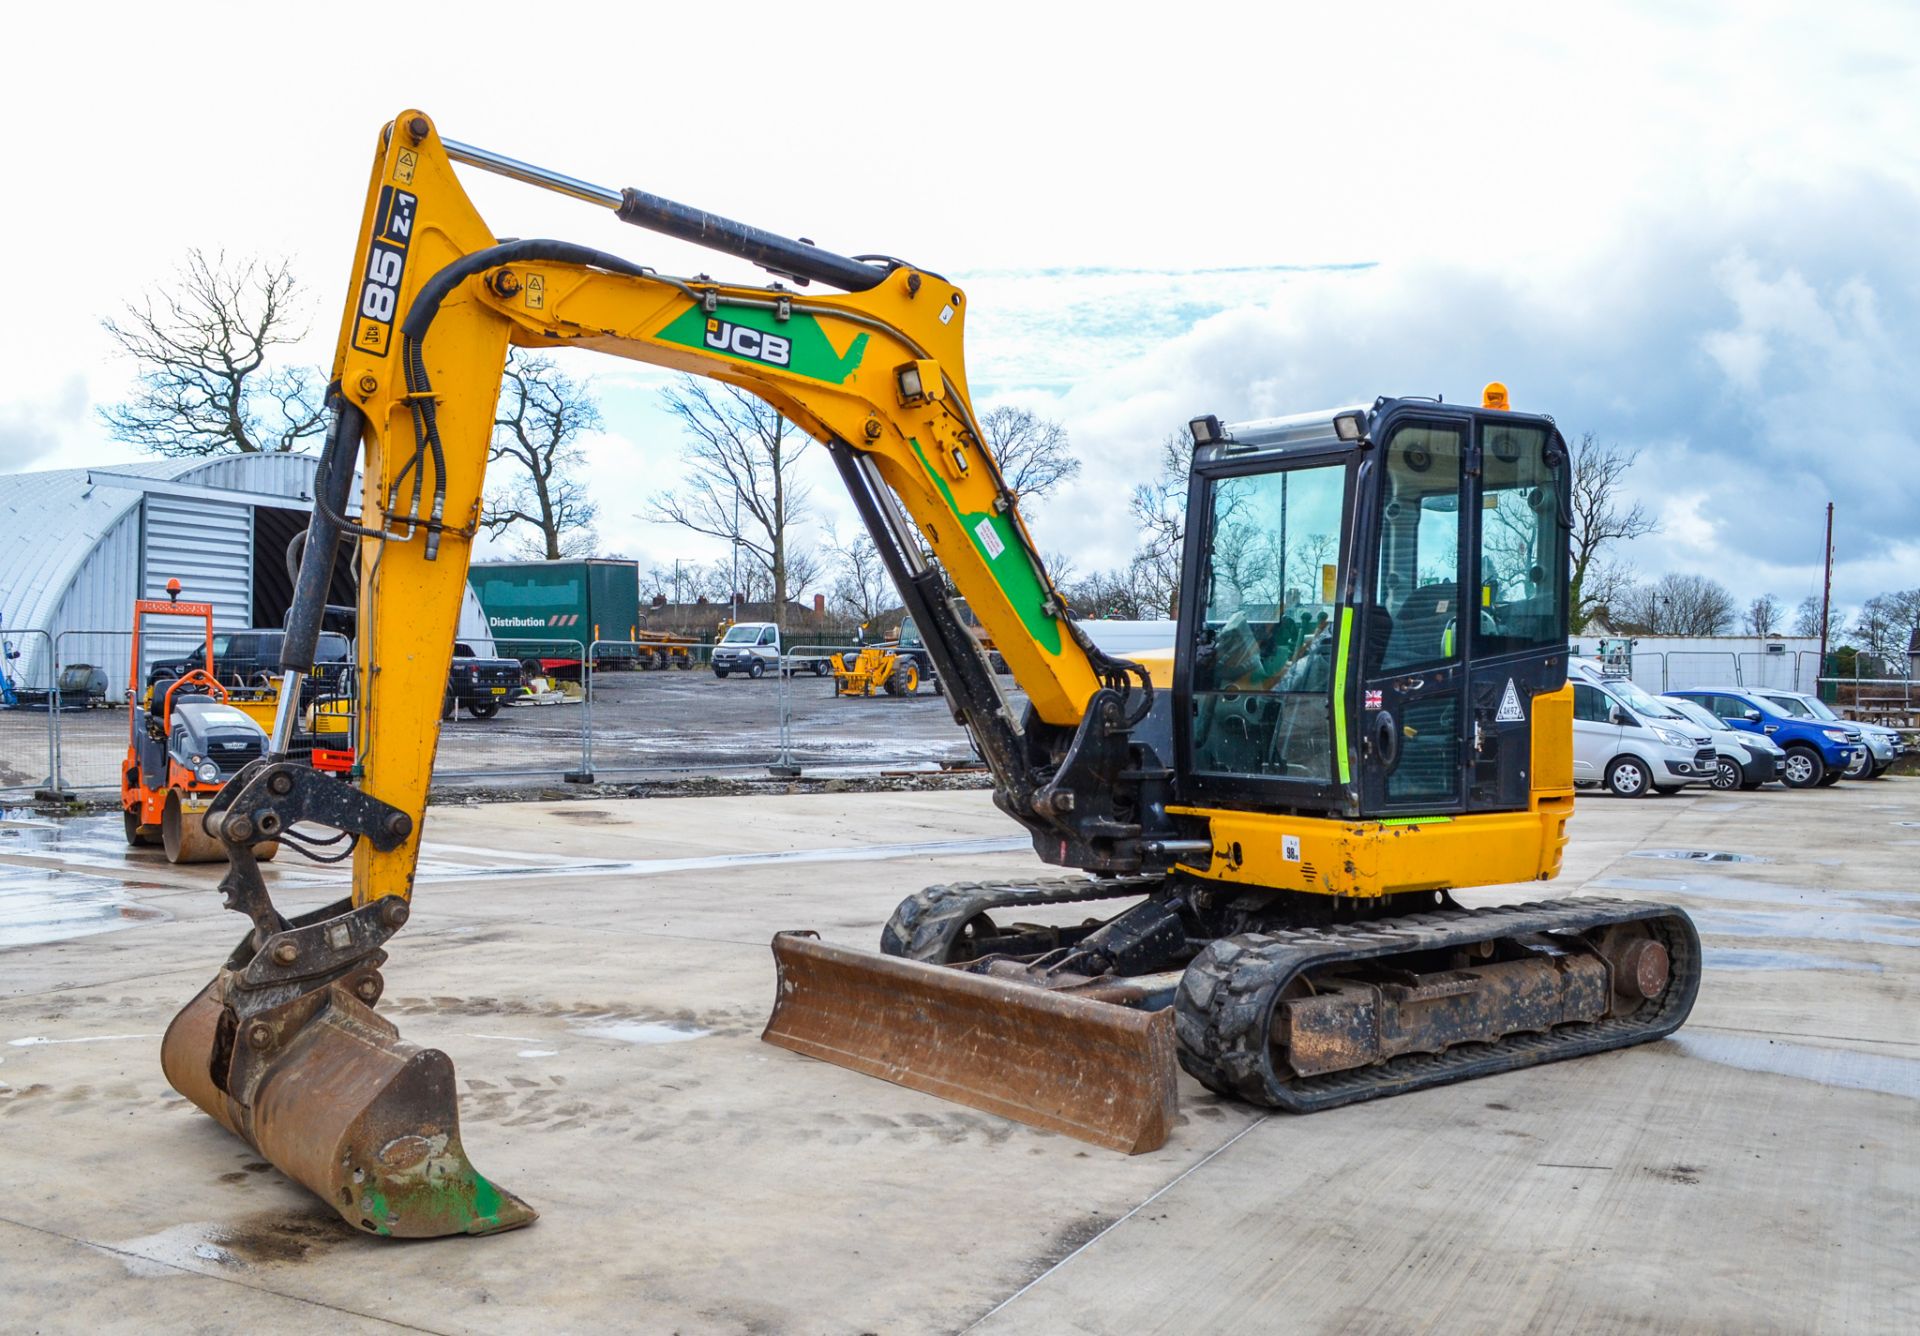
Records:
x=503, y=735
x=605, y=710
x=28, y=712
x=1687, y=670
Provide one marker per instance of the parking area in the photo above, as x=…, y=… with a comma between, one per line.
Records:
x=599, y=972
x=637, y=723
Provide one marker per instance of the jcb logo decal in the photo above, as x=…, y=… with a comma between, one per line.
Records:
x=744, y=342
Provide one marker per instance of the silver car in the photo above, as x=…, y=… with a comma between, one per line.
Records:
x=1746, y=760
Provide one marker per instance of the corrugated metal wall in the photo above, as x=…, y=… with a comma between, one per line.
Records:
x=108, y=578
x=208, y=547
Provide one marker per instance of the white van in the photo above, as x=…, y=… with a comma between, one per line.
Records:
x=1633, y=742
x=754, y=648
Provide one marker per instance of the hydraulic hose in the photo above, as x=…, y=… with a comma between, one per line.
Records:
x=332, y=487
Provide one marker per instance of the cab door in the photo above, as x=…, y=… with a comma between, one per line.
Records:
x=1519, y=526
x=1413, y=675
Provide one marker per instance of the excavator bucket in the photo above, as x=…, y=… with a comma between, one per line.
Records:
x=329, y=1094
x=1097, y=1071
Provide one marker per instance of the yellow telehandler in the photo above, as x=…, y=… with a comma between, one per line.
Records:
x=1366, y=709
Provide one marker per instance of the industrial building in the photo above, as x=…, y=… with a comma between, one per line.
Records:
x=86, y=542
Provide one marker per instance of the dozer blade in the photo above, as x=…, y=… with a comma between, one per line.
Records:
x=330, y=1095
x=1097, y=1071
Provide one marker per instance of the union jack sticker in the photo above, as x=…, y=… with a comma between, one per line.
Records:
x=1374, y=699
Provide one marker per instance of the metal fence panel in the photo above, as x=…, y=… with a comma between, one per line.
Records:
x=90, y=733
x=521, y=736
x=824, y=731
x=1690, y=669
x=1773, y=672
x=27, y=678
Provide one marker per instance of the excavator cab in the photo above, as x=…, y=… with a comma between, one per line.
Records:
x=1379, y=594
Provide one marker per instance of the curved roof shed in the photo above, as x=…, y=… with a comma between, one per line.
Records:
x=77, y=546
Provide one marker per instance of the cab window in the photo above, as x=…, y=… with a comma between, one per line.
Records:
x=1417, y=572
x=1267, y=635
x=1523, y=539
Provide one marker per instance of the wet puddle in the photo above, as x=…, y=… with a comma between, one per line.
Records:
x=1736, y=958
x=642, y=1032
x=1846, y=1068
x=1802, y=915
x=1699, y=856
x=40, y=906
x=247, y=1244
x=97, y=842
x=653, y=867
x=1810, y=926
x=1758, y=892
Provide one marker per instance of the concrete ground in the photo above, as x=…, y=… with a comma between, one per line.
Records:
x=1757, y=1172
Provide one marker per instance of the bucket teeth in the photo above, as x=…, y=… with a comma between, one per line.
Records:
x=1097, y=1071
x=343, y=1105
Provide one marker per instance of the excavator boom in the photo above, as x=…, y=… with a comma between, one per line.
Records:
x=283, y=1047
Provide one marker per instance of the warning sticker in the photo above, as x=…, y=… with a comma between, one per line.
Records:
x=989, y=539
x=1290, y=848
x=1510, y=711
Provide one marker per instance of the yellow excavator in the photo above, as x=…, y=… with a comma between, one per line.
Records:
x=1366, y=709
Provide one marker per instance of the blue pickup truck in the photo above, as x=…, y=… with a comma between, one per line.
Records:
x=1819, y=751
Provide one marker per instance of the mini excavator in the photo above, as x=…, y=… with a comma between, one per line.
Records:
x=1366, y=710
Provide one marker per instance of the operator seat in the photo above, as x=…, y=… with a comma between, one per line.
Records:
x=1420, y=631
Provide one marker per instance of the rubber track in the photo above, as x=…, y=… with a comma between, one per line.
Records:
x=924, y=926
x=1225, y=1000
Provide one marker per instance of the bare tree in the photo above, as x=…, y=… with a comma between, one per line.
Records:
x=1763, y=616
x=1806, y=620
x=1677, y=605
x=862, y=589
x=1132, y=592
x=1886, y=625
x=203, y=346
x=1033, y=452
x=740, y=483
x=1106, y=594
x=537, y=430
x=1601, y=518
x=1159, y=508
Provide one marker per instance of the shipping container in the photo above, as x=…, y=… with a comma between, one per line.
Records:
x=551, y=610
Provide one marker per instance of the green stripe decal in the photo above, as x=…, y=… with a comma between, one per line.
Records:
x=750, y=334
x=1340, y=697
x=999, y=547
x=1415, y=820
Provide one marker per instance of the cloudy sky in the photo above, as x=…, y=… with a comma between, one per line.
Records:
x=1687, y=228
